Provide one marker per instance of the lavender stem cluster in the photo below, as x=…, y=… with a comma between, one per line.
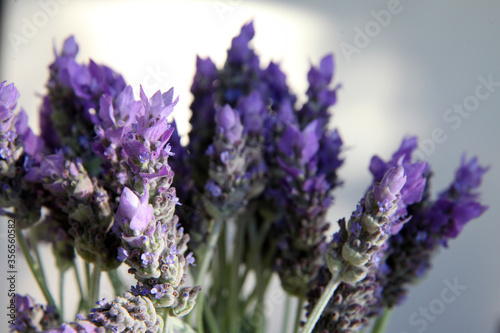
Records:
x=109, y=179
x=101, y=170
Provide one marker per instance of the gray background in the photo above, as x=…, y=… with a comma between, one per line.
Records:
x=426, y=58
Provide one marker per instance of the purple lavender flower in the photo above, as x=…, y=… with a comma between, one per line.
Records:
x=356, y=251
x=87, y=211
x=128, y=313
x=233, y=170
x=151, y=243
x=19, y=150
x=229, y=123
x=415, y=183
x=306, y=196
x=133, y=212
x=69, y=112
x=320, y=96
x=32, y=317
x=410, y=252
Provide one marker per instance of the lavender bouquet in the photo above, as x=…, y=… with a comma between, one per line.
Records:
x=203, y=227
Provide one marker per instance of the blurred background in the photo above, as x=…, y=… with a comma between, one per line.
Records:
x=405, y=68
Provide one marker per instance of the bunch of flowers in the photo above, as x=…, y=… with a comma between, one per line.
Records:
x=251, y=188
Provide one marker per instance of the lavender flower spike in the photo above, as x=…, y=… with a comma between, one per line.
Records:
x=355, y=250
x=152, y=241
x=232, y=182
x=433, y=224
x=126, y=314
x=20, y=149
x=86, y=204
x=367, y=229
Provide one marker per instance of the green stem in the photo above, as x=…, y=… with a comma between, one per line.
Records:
x=218, y=290
x=211, y=320
x=234, y=290
x=205, y=262
x=181, y=325
x=261, y=289
x=38, y=256
x=199, y=312
x=212, y=240
x=116, y=281
x=382, y=321
x=95, y=280
x=167, y=328
x=320, y=306
x=87, y=276
x=298, y=315
x=61, y=294
x=35, y=268
x=80, y=288
x=286, y=317
x=254, y=293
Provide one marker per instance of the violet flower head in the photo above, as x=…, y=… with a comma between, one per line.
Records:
x=320, y=96
x=241, y=72
x=415, y=182
x=127, y=313
x=239, y=52
x=253, y=111
x=20, y=149
x=234, y=174
x=134, y=212
x=229, y=123
x=433, y=223
x=32, y=317
x=74, y=90
x=152, y=244
x=389, y=188
x=306, y=197
x=8, y=102
x=90, y=212
x=355, y=252
x=468, y=178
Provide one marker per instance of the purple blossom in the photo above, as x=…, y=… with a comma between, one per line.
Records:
x=122, y=254
x=305, y=142
x=229, y=123
x=190, y=260
x=147, y=258
x=468, y=177
x=253, y=111
x=134, y=212
x=415, y=182
x=433, y=223
x=158, y=290
x=239, y=51
x=32, y=317
x=8, y=97
x=389, y=188
x=214, y=189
